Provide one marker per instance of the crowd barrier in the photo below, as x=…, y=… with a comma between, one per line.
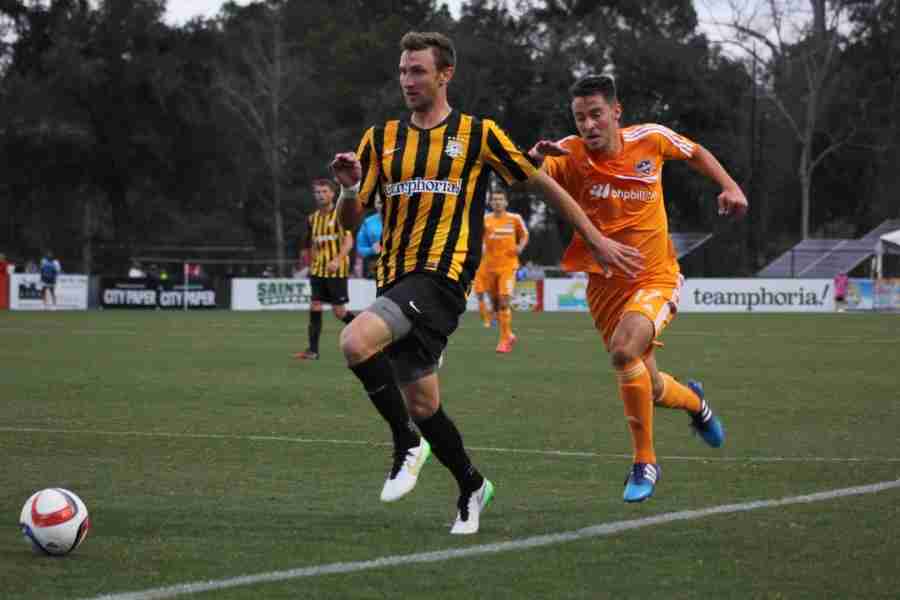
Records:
x=77, y=292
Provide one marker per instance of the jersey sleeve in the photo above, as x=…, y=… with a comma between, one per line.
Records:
x=370, y=167
x=504, y=156
x=673, y=146
x=557, y=168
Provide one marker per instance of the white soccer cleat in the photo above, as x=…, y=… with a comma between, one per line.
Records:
x=470, y=509
x=405, y=471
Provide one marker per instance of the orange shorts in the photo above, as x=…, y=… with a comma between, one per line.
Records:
x=495, y=282
x=610, y=299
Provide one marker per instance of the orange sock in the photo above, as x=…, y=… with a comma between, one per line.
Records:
x=678, y=395
x=636, y=391
x=504, y=318
x=485, y=313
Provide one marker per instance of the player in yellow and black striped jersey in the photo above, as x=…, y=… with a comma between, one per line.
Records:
x=434, y=183
x=329, y=246
x=432, y=171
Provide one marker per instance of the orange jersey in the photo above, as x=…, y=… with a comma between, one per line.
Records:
x=623, y=196
x=501, y=237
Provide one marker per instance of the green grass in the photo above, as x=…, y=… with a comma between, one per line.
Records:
x=203, y=451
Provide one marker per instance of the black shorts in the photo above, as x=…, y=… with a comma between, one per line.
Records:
x=330, y=290
x=434, y=304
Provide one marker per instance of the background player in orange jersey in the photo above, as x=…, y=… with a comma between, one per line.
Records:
x=486, y=309
x=505, y=236
x=615, y=176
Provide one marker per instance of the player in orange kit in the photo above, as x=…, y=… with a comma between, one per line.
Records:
x=505, y=236
x=615, y=175
x=486, y=310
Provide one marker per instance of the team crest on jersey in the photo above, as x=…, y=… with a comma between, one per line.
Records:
x=644, y=167
x=454, y=147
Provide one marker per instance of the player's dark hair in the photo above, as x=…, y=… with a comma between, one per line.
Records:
x=325, y=183
x=441, y=46
x=594, y=85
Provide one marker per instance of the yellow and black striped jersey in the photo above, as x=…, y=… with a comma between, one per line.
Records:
x=324, y=237
x=434, y=183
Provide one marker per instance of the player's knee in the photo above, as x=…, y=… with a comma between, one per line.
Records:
x=339, y=311
x=354, y=345
x=621, y=356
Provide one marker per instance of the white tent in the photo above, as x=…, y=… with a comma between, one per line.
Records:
x=889, y=243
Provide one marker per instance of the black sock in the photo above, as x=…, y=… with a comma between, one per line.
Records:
x=348, y=316
x=447, y=445
x=315, y=330
x=377, y=377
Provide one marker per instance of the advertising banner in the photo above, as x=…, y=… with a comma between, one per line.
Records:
x=528, y=296
x=569, y=295
x=757, y=295
x=121, y=293
x=887, y=294
x=716, y=295
x=292, y=294
x=860, y=294
x=26, y=292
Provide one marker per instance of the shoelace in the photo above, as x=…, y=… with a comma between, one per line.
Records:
x=638, y=471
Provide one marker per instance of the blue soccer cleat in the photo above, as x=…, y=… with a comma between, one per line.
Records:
x=705, y=423
x=641, y=482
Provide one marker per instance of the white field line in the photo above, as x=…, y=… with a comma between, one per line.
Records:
x=601, y=530
x=536, y=451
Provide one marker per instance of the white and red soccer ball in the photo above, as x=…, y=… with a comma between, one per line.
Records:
x=55, y=521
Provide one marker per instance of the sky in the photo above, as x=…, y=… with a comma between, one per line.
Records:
x=179, y=12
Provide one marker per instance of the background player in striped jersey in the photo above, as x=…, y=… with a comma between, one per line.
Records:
x=329, y=247
x=616, y=176
x=505, y=236
x=432, y=169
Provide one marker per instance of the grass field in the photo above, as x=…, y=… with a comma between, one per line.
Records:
x=204, y=453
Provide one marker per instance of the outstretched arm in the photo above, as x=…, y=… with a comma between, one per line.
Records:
x=731, y=200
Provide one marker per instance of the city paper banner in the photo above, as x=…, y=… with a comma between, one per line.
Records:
x=292, y=294
x=25, y=291
x=716, y=295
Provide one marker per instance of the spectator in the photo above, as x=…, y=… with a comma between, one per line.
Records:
x=841, y=282
x=368, y=240
x=50, y=270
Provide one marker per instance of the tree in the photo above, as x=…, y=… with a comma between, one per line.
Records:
x=258, y=85
x=801, y=55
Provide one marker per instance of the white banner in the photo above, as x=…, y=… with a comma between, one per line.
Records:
x=26, y=292
x=292, y=294
x=569, y=295
x=757, y=295
x=716, y=295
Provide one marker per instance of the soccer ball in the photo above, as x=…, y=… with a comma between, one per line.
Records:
x=55, y=521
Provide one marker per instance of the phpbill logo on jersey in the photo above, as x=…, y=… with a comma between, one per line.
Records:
x=600, y=190
x=644, y=167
